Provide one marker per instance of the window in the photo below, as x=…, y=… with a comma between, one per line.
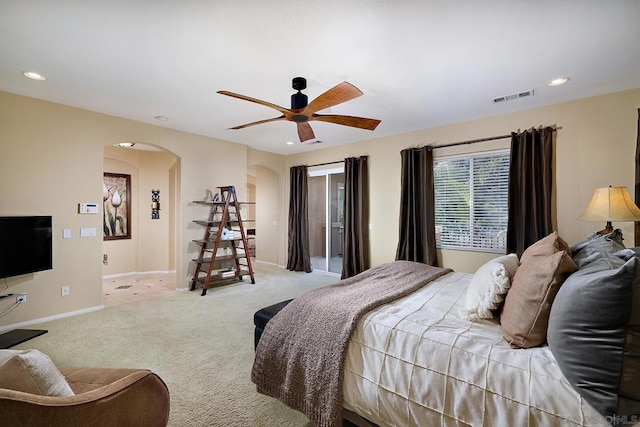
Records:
x=471, y=201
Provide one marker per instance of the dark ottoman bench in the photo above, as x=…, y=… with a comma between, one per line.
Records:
x=262, y=317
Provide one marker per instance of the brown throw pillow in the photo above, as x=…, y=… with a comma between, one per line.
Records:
x=544, y=267
x=546, y=246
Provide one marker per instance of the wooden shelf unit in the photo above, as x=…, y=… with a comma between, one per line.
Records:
x=222, y=258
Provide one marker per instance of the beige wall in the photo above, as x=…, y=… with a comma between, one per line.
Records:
x=154, y=233
x=271, y=206
x=268, y=209
x=52, y=159
x=595, y=147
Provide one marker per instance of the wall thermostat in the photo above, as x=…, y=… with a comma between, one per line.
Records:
x=88, y=208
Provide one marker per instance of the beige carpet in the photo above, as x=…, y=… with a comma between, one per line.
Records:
x=202, y=347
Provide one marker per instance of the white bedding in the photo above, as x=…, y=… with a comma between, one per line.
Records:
x=417, y=362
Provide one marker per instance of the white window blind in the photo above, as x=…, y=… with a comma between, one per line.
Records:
x=471, y=201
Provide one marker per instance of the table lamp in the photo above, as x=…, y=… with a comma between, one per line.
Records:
x=610, y=204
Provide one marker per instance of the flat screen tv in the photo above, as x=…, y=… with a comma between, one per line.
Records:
x=25, y=245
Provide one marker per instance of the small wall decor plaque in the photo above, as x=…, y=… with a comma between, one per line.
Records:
x=155, y=204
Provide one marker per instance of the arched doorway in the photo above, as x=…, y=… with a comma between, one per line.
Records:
x=143, y=265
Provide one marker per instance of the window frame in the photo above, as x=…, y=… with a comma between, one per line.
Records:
x=472, y=218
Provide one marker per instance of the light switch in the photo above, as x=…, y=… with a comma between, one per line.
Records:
x=66, y=233
x=88, y=232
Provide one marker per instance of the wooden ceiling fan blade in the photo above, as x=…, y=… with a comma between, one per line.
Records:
x=356, y=122
x=257, y=101
x=305, y=132
x=259, y=122
x=338, y=94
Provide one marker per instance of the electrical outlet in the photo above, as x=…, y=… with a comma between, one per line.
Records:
x=20, y=298
x=65, y=291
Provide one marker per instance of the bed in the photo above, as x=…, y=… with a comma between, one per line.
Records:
x=418, y=362
x=415, y=359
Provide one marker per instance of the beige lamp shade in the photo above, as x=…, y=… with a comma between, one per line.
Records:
x=611, y=204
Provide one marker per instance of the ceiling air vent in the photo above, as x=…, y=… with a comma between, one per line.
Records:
x=513, y=96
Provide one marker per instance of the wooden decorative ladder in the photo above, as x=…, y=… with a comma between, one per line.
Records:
x=224, y=231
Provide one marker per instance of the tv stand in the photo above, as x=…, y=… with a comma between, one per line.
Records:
x=18, y=336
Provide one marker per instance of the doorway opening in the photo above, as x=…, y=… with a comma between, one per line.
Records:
x=144, y=264
x=326, y=219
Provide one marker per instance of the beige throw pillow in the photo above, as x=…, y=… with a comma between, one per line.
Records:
x=543, y=268
x=31, y=371
x=546, y=246
x=488, y=286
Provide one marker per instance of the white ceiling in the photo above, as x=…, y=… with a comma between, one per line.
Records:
x=420, y=63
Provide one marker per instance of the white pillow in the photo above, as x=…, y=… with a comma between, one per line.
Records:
x=489, y=286
x=31, y=371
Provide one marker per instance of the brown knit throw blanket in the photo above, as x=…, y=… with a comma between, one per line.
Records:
x=301, y=354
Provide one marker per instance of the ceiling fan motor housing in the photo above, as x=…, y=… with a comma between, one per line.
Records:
x=299, y=83
x=299, y=100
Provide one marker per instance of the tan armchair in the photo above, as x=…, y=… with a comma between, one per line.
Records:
x=103, y=397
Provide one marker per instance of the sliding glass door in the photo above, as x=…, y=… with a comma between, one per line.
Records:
x=326, y=219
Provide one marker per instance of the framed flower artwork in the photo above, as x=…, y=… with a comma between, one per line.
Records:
x=116, y=201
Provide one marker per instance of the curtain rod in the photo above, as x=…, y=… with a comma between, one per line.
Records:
x=473, y=141
x=453, y=144
x=327, y=163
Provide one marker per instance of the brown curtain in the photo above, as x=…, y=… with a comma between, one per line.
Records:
x=356, y=216
x=637, y=224
x=299, y=259
x=417, y=240
x=530, y=185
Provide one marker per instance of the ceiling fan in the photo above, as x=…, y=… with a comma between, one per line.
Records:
x=302, y=112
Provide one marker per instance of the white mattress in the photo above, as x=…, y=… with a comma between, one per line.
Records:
x=417, y=362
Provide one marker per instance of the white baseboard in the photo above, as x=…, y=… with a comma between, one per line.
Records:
x=135, y=273
x=268, y=263
x=49, y=318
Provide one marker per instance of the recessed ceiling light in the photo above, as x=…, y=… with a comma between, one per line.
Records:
x=126, y=144
x=558, y=81
x=290, y=143
x=161, y=118
x=33, y=75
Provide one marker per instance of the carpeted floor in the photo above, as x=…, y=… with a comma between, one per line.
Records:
x=201, y=346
